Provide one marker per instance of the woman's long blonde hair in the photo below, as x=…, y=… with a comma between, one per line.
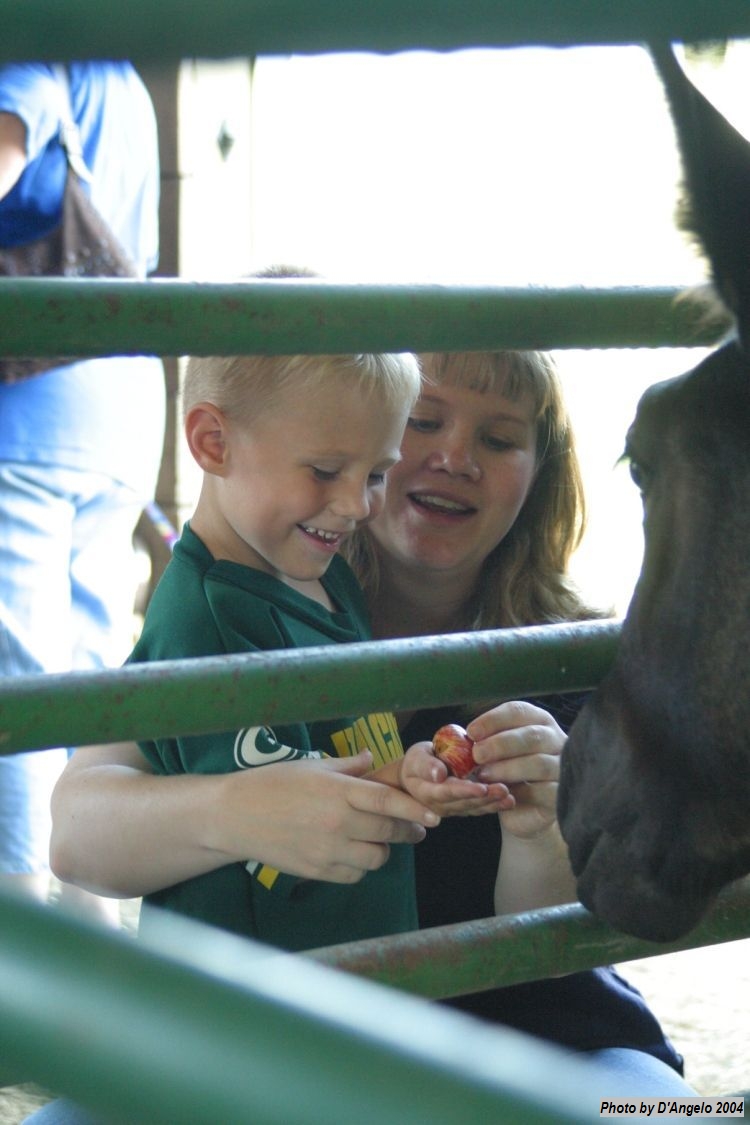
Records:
x=524, y=580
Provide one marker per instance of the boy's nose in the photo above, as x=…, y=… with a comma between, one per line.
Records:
x=351, y=501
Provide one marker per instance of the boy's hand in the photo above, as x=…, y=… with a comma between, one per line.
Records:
x=427, y=779
x=329, y=819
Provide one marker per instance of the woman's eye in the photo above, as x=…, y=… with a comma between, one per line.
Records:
x=423, y=425
x=324, y=474
x=498, y=444
x=376, y=478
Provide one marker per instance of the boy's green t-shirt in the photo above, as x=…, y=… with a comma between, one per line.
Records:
x=205, y=607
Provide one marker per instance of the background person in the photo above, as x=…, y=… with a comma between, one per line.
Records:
x=80, y=445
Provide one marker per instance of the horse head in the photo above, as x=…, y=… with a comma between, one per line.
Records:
x=654, y=798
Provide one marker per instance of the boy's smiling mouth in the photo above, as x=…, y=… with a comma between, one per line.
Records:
x=329, y=538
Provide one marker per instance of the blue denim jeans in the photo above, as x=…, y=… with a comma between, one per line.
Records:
x=630, y=1074
x=67, y=584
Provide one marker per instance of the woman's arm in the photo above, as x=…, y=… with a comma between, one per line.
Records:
x=533, y=872
x=121, y=830
x=517, y=747
x=520, y=744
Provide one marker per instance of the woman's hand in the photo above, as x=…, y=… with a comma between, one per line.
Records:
x=429, y=782
x=518, y=745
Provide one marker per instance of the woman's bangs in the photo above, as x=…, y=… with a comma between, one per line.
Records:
x=510, y=374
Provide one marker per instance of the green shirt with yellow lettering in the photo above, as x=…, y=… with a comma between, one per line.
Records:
x=208, y=607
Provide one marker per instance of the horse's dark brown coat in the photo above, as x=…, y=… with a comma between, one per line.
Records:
x=655, y=790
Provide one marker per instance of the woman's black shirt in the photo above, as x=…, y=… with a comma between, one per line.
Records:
x=456, y=866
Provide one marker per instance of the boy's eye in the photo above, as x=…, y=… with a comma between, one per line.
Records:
x=324, y=474
x=376, y=478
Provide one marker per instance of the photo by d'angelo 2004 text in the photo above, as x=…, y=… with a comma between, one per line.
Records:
x=673, y=1107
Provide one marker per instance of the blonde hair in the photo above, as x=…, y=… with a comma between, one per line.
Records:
x=245, y=386
x=524, y=580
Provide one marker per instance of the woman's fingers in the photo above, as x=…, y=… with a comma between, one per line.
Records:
x=517, y=742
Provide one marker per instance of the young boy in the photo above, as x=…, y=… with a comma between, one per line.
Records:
x=294, y=452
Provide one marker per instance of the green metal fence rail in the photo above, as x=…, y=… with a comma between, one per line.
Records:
x=197, y=1026
x=174, y=29
x=62, y=317
x=492, y=952
x=218, y=693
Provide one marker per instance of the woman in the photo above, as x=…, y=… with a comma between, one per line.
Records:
x=487, y=502
x=481, y=518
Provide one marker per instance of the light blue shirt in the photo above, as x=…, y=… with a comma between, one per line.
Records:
x=104, y=415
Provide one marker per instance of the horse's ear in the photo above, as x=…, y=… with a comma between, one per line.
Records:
x=716, y=166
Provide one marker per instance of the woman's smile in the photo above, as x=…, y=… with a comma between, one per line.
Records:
x=439, y=504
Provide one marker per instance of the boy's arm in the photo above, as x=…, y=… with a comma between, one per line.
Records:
x=118, y=827
x=122, y=830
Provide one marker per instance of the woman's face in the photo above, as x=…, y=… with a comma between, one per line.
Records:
x=468, y=462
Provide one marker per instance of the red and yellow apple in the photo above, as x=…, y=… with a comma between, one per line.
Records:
x=453, y=746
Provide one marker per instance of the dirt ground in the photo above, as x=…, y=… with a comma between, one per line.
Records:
x=702, y=998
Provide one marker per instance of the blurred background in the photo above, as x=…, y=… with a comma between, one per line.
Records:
x=542, y=167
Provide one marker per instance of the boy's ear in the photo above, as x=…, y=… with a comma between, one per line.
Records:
x=206, y=432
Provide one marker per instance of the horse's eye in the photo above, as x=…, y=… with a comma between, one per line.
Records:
x=638, y=475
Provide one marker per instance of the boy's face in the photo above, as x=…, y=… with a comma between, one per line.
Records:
x=304, y=476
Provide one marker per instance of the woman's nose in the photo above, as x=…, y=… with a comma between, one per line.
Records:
x=456, y=457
